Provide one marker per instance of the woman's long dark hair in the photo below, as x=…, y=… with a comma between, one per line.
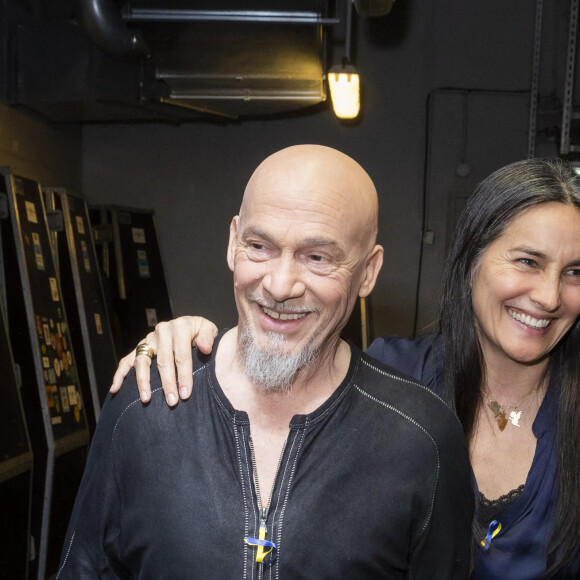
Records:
x=494, y=204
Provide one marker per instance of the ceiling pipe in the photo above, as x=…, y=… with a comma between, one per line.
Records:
x=268, y=16
x=104, y=24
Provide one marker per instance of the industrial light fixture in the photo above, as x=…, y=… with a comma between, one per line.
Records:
x=345, y=91
x=344, y=81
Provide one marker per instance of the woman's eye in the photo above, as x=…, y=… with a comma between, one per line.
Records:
x=574, y=272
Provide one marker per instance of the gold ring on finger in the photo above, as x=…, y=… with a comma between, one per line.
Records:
x=145, y=349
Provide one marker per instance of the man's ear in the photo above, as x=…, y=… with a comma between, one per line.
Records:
x=373, y=267
x=233, y=243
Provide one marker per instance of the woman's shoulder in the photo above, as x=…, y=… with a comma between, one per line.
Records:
x=420, y=357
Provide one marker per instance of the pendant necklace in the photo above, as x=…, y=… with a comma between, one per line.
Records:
x=500, y=410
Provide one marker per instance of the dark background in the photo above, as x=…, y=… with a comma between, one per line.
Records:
x=443, y=83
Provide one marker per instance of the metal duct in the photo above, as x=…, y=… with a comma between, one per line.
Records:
x=246, y=60
x=102, y=21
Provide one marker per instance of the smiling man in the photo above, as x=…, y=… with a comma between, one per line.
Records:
x=297, y=455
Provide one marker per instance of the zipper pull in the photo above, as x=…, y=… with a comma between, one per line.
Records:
x=267, y=551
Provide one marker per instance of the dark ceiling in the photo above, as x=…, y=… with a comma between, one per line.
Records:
x=173, y=61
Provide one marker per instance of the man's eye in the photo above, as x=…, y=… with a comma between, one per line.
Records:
x=319, y=259
x=528, y=262
x=257, y=246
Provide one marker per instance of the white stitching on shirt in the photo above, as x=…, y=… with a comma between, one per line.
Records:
x=67, y=553
x=276, y=527
x=410, y=382
x=231, y=417
x=337, y=401
x=246, y=515
x=253, y=504
x=401, y=379
x=138, y=399
x=199, y=369
x=127, y=408
x=302, y=435
x=419, y=426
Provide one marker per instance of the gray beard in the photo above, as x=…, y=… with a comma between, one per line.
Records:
x=271, y=369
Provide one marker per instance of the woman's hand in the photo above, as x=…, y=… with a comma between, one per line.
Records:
x=172, y=342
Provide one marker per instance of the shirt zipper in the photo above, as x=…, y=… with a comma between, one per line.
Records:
x=263, y=510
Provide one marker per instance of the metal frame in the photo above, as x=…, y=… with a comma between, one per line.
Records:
x=20, y=464
x=567, y=109
x=534, y=89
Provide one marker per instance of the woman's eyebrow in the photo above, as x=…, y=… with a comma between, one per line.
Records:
x=530, y=251
x=541, y=255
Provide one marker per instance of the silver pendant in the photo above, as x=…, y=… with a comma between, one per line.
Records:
x=515, y=417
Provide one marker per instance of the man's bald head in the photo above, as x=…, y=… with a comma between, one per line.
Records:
x=323, y=174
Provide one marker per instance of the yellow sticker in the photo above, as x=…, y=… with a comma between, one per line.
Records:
x=80, y=225
x=54, y=289
x=98, y=323
x=72, y=395
x=138, y=235
x=31, y=212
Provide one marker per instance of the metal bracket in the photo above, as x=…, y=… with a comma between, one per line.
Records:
x=55, y=220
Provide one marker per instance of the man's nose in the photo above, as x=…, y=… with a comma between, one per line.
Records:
x=283, y=280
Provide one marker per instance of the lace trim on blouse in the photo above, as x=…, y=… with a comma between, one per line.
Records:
x=489, y=509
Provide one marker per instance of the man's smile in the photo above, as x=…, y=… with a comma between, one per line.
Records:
x=283, y=316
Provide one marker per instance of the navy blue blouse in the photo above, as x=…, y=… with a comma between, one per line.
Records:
x=518, y=552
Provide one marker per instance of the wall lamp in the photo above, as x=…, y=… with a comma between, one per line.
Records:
x=344, y=81
x=344, y=91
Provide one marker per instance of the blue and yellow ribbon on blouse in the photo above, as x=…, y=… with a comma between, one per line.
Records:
x=493, y=530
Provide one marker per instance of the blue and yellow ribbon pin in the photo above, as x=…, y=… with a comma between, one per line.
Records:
x=267, y=551
x=493, y=530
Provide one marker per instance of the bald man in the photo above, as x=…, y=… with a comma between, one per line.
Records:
x=297, y=455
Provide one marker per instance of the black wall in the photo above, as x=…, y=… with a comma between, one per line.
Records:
x=193, y=175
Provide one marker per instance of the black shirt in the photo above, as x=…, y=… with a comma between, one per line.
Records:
x=375, y=483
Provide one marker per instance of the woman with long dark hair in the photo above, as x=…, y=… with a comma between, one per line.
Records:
x=506, y=358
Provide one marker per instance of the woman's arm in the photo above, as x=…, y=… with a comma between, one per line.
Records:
x=172, y=342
